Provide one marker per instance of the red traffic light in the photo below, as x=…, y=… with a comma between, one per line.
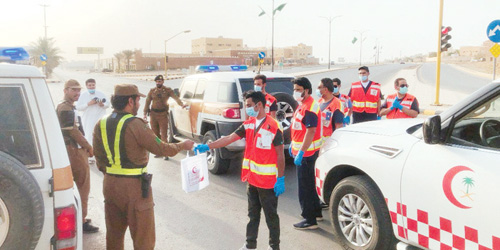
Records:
x=445, y=30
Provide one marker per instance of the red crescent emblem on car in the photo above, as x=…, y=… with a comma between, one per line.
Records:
x=447, y=179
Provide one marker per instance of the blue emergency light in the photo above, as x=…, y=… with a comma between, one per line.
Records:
x=14, y=54
x=207, y=68
x=212, y=68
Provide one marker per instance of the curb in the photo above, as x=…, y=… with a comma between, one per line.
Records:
x=431, y=112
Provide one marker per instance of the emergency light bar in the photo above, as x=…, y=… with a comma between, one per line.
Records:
x=13, y=54
x=212, y=68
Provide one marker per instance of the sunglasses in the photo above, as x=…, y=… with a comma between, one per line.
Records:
x=403, y=85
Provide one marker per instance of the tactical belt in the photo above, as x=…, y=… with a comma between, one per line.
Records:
x=125, y=176
x=158, y=110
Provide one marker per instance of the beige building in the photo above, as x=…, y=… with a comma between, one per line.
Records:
x=206, y=46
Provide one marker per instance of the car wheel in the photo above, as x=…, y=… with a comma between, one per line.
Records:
x=286, y=108
x=170, y=130
x=21, y=206
x=360, y=218
x=216, y=165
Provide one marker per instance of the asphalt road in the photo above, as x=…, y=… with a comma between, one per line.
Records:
x=216, y=217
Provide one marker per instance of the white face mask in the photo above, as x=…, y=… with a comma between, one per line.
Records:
x=298, y=96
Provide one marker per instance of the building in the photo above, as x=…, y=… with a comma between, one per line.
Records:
x=206, y=46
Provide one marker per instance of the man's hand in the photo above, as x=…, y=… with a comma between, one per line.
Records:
x=298, y=158
x=92, y=102
x=290, y=151
x=279, y=186
x=101, y=104
x=396, y=105
x=90, y=151
x=187, y=144
x=347, y=120
x=200, y=149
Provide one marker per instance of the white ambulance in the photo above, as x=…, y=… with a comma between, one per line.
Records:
x=39, y=205
x=432, y=184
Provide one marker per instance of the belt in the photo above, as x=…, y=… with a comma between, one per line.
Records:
x=124, y=176
x=158, y=110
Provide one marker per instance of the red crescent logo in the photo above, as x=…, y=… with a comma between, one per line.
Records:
x=447, y=179
x=195, y=170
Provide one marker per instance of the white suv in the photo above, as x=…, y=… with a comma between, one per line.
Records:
x=39, y=205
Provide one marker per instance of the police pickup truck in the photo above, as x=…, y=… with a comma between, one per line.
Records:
x=431, y=184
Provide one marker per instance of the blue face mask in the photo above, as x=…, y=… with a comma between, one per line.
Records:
x=251, y=111
x=257, y=88
x=363, y=78
x=92, y=91
x=403, y=90
x=318, y=93
x=335, y=90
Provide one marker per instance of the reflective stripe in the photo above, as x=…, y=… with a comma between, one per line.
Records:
x=356, y=86
x=406, y=102
x=371, y=104
x=358, y=104
x=261, y=169
x=249, y=126
x=314, y=145
x=116, y=167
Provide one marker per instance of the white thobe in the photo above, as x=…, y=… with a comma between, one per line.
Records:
x=91, y=114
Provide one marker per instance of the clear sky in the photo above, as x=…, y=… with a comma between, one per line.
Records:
x=400, y=26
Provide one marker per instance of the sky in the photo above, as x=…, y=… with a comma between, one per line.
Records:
x=400, y=27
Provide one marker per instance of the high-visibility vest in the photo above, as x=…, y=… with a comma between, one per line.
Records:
x=397, y=113
x=259, y=166
x=365, y=102
x=298, y=129
x=327, y=113
x=345, y=102
x=269, y=101
x=112, y=127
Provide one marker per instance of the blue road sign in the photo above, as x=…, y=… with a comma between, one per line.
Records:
x=493, y=31
x=43, y=57
x=262, y=55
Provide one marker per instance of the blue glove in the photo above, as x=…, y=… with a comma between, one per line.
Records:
x=379, y=117
x=290, y=151
x=347, y=120
x=201, y=148
x=396, y=105
x=279, y=186
x=298, y=159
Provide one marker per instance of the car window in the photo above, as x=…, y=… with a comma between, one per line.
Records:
x=200, y=89
x=187, y=90
x=480, y=127
x=227, y=92
x=211, y=92
x=16, y=130
x=272, y=85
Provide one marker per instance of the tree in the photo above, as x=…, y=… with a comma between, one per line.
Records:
x=46, y=46
x=119, y=57
x=128, y=55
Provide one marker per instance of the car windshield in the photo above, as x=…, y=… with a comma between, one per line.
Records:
x=273, y=85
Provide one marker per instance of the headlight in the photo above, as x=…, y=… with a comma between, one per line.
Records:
x=329, y=143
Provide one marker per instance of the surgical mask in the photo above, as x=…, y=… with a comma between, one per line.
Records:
x=251, y=111
x=257, y=88
x=318, y=93
x=363, y=78
x=92, y=91
x=298, y=96
x=335, y=90
x=403, y=90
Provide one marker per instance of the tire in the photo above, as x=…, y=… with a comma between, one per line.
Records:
x=21, y=206
x=216, y=165
x=286, y=107
x=360, y=188
x=170, y=130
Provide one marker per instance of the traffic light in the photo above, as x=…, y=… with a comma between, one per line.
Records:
x=445, y=37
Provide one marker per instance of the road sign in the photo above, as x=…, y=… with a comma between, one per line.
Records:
x=43, y=57
x=493, y=31
x=89, y=50
x=43, y=63
x=495, y=50
x=262, y=55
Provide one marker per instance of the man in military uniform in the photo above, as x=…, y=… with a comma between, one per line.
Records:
x=159, y=108
x=128, y=199
x=77, y=146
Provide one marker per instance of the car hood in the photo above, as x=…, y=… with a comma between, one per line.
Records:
x=387, y=127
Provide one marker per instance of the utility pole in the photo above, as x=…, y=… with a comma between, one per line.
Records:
x=438, y=61
x=45, y=18
x=330, y=19
x=272, y=41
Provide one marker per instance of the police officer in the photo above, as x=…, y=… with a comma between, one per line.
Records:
x=122, y=144
x=158, y=109
x=263, y=167
x=77, y=146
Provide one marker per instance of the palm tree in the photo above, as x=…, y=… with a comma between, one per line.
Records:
x=46, y=46
x=128, y=55
x=468, y=182
x=119, y=57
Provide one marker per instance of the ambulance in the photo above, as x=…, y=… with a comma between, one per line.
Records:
x=415, y=183
x=39, y=203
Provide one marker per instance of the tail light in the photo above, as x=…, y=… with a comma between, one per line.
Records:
x=66, y=228
x=232, y=113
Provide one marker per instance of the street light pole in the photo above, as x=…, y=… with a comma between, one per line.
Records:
x=45, y=18
x=361, y=45
x=185, y=31
x=272, y=41
x=330, y=19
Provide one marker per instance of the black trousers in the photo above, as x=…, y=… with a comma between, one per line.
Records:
x=260, y=198
x=363, y=117
x=308, y=198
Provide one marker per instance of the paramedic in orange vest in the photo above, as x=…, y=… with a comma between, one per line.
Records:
x=331, y=107
x=263, y=167
x=365, y=96
x=259, y=84
x=346, y=101
x=401, y=104
x=306, y=131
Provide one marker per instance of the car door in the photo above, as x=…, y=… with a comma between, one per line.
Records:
x=450, y=189
x=182, y=117
x=197, y=105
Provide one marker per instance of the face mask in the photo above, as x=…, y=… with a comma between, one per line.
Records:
x=318, y=93
x=403, y=90
x=335, y=90
x=257, y=88
x=251, y=111
x=363, y=78
x=92, y=91
x=159, y=85
x=298, y=96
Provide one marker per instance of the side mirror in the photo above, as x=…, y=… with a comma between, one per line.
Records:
x=432, y=129
x=176, y=91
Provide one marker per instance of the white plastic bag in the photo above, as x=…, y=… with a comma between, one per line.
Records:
x=194, y=171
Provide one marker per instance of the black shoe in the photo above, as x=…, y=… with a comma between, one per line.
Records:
x=166, y=158
x=324, y=205
x=304, y=225
x=87, y=228
x=157, y=156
